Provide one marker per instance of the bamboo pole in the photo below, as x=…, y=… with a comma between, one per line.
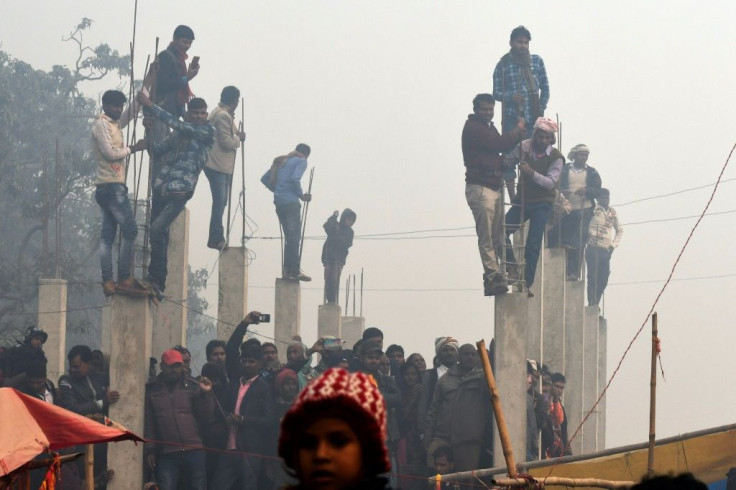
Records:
x=652, y=398
x=564, y=482
x=503, y=432
x=89, y=466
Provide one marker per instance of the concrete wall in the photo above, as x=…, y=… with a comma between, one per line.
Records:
x=590, y=379
x=602, y=380
x=131, y=349
x=52, y=320
x=553, y=313
x=329, y=320
x=352, y=330
x=574, y=346
x=510, y=370
x=232, y=301
x=170, y=318
x=287, y=321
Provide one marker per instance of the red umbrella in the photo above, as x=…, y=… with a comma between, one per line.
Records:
x=29, y=426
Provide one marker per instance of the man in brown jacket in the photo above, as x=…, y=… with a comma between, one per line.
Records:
x=175, y=404
x=221, y=161
x=482, y=148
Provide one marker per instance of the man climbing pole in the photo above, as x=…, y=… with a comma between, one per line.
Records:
x=335, y=250
x=183, y=155
x=221, y=161
x=284, y=180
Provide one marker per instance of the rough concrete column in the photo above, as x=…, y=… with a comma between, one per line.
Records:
x=232, y=299
x=106, y=329
x=287, y=314
x=602, y=380
x=510, y=370
x=534, y=314
x=553, y=313
x=170, y=318
x=590, y=379
x=352, y=330
x=52, y=320
x=574, y=346
x=131, y=349
x=329, y=320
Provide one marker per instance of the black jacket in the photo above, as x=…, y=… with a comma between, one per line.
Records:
x=84, y=396
x=258, y=409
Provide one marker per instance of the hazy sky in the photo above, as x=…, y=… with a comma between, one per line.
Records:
x=381, y=90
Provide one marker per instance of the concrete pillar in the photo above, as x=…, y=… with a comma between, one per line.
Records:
x=534, y=314
x=352, y=330
x=232, y=299
x=52, y=320
x=573, y=362
x=287, y=312
x=602, y=380
x=170, y=319
x=105, y=333
x=590, y=379
x=131, y=350
x=553, y=312
x=510, y=370
x=329, y=320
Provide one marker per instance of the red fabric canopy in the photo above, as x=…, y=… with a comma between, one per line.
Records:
x=29, y=426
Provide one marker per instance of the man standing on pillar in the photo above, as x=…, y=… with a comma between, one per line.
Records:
x=284, y=180
x=175, y=405
x=110, y=153
x=482, y=147
x=580, y=185
x=605, y=235
x=520, y=83
x=184, y=154
x=335, y=250
x=221, y=161
x=540, y=165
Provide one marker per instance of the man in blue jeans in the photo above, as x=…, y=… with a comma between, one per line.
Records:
x=221, y=161
x=110, y=153
x=540, y=165
x=284, y=180
x=182, y=154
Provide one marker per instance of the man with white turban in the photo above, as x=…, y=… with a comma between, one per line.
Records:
x=540, y=165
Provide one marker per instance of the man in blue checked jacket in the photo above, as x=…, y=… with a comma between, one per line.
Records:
x=520, y=83
x=183, y=154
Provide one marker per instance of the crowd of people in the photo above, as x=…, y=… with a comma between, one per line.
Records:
x=221, y=429
x=564, y=200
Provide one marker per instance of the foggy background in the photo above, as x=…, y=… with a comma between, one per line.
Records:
x=381, y=90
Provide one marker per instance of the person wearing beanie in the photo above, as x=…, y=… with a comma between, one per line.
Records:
x=250, y=410
x=334, y=434
x=36, y=384
x=540, y=165
x=175, y=406
x=335, y=250
x=520, y=82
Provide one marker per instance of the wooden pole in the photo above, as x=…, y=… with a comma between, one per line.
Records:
x=503, y=432
x=89, y=466
x=653, y=397
x=565, y=482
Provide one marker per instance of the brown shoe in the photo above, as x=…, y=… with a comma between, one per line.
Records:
x=130, y=287
x=108, y=288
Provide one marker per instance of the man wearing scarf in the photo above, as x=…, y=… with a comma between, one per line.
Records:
x=540, y=165
x=520, y=82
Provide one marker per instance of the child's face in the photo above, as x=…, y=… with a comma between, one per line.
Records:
x=349, y=222
x=330, y=456
x=442, y=466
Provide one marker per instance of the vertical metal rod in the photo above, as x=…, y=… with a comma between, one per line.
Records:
x=304, y=216
x=150, y=139
x=347, y=294
x=354, y=295
x=58, y=214
x=653, y=397
x=45, y=249
x=242, y=168
x=361, y=291
x=503, y=431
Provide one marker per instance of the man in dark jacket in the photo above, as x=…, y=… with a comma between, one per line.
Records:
x=251, y=410
x=184, y=154
x=175, y=405
x=18, y=358
x=335, y=250
x=482, y=147
x=36, y=384
x=554, y=435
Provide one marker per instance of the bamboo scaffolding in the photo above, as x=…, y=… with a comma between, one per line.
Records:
x=555, y=481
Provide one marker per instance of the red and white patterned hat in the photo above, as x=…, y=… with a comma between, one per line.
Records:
x=355, y=396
